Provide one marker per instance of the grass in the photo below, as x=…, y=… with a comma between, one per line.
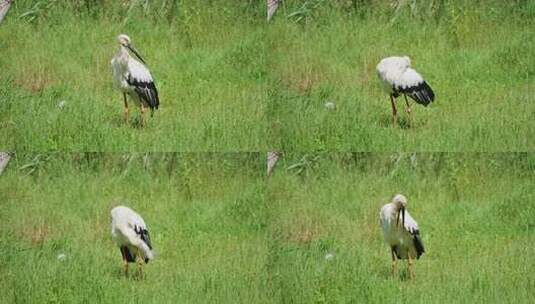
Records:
x=206, y=227
x=232, y=86
x=208, y=65
x=224, y=234
x=230, y=82
x=478, y=58
x=475, y=214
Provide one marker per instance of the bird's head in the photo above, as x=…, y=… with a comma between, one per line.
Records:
x=400, y=202
x=124, y=41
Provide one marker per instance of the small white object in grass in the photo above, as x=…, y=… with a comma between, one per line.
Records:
x=414, y=160
x=4, y=159
x=272, y=158
x=329, y=105
x=329, y=256
x=61, y=257
x=61, y=104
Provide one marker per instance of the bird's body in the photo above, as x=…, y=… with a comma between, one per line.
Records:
x=130, y=233
x=403, y=237
x=397, y=78
x=133, y=78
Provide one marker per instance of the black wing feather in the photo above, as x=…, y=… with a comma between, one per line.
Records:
x=395, y=248
x=146, y=91
x=144, y=235
x=418, y=244
x=146, y=238
x=127, y=255
x=421, y=93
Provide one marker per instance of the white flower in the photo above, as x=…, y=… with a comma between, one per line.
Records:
x=61, y=257
x=329, y=105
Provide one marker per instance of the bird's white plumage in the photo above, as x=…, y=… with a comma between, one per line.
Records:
x=125, y=67
x=124, y=223
x=396, y=72
x=132, y=77
x=138, y=71
x=396, y=235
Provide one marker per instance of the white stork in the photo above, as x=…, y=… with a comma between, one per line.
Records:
x=133, y=78
x=397, y=77
x=129, y=232
x=402, y=237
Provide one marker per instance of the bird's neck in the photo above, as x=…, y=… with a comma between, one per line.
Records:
x=123, y=54
x=396, y=208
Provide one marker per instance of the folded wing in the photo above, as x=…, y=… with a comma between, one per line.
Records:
x=413, y=85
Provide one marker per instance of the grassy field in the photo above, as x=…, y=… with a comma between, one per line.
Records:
x=478, y=58
x=208, y=62
x=475, y=212
x=224, y=234
x=230, y=82
x=206, y=214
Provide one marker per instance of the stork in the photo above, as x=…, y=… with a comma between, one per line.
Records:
x=397, y=77
x=129, y=232
x=402, y=237
x=133, y=78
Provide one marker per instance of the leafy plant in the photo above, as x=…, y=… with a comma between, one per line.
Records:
x=305, y=164
x=35, y=164
x=305, y=13
x=39, y=9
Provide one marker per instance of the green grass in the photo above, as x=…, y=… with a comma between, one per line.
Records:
x=475, y=212
x=205, y=212
x=222, y=233
x=209, y=66
x=230, y=82
x=478, y=58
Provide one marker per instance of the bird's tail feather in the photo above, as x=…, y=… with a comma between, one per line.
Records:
x=128, y=256
x=396, y=252
x=422, y=93
x=419, y=245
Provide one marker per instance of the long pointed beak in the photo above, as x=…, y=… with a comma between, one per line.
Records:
x=402, y=214
x=403, y=217
x=133, y=49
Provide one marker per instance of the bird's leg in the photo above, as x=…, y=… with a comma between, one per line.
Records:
x=139, y=263
x=125, y=267
x=393, y=261
x=411, y=272
x=394, y=111
x=125, y=109
x=142, y=112
x=408, y=110
x=125, y=261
